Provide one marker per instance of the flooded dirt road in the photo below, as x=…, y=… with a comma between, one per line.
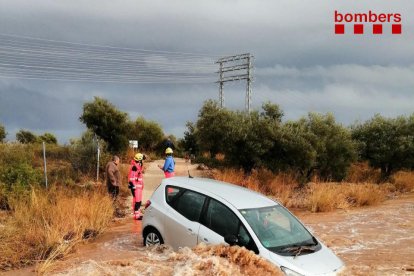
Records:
x=375, y=240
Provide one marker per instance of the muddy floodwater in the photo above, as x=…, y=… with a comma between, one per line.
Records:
x=376, y=240
x=371, y=241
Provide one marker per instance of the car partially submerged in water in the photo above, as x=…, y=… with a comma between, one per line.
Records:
x=186, y=211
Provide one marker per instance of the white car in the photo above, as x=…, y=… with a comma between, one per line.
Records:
x=186, y=211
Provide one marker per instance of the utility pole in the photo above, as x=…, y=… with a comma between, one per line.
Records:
x=221, y=95
x=241, y=64
x=248, y=88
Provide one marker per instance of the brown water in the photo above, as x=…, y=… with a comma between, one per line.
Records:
x=372, y=241
x=376, y=240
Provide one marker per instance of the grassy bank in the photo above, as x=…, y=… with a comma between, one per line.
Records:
x=319, y=196
x=45, y=225
x=39, y=225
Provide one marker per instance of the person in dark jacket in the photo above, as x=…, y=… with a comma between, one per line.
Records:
x=113, y=177
x=169, y=144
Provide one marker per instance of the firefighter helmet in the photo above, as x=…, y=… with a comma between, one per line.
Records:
x=138, y=157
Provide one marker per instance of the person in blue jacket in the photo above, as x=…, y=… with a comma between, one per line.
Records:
x=169, y=164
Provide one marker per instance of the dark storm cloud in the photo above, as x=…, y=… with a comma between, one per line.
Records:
x=299, y=62
x=38, y=111
x=352, y=92
x=170, y=105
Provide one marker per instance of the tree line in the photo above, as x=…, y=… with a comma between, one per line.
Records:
x=313, y=144
x=27, y=137
x=116, y=128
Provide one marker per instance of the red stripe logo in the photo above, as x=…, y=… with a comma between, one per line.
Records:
x=369, y=22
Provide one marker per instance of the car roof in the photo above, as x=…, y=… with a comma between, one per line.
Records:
x=239, y=197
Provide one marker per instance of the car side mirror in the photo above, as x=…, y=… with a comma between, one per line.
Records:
x=231, y=239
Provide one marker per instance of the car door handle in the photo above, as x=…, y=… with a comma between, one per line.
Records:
x=205, y=239
x=190, y=230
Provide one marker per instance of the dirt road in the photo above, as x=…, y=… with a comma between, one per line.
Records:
x=376, y=240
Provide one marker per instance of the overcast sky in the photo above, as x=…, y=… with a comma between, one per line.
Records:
x=299, y=63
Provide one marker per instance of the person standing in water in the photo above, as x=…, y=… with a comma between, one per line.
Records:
x=136, y=183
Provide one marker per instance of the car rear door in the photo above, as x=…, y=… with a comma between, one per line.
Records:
x=182, y=220
x=217, y=221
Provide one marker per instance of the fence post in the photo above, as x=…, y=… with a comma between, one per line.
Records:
x=97, y=163
x=44, y=161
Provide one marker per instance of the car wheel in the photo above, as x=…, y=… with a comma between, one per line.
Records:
x=152, y=237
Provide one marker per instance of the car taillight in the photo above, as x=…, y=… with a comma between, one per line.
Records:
x=147, y=204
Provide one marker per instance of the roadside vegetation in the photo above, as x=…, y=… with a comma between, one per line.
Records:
x=116, y=128
x=39, y=224
x=45, y=225
x=313, y=164
x=317, y=196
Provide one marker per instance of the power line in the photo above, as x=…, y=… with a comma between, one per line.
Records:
x=34, y=58
x=96, y=46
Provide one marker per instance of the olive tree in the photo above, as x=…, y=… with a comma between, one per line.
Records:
x=26, y=137
x=189, y=142
x=213, y=127
x=386, y=143
x=106, y=121
x=48, y=138
x=148, y=133
x=335, y=150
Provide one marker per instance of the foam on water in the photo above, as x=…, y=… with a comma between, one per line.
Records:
x=201, y=260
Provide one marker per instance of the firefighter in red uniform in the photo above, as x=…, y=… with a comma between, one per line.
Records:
x=136, y=183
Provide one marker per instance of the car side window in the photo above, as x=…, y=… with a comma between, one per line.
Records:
x=190, y=205
x=172, y=193
x=221, y=219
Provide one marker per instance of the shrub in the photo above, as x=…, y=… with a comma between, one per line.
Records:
x=3, y=133
x=11, y=154
x=229, y=175
x=325, y=197
x=47, y=224
x=209, y=162
x=281, y=186
x=316, y=197
x=83, y=155
x=21, y=174
x=403, y=181
x=285, y=187
x=362, y=173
